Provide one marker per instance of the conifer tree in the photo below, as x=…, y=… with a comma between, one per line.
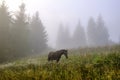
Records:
x=102, y=32
x=5, y=21
x=91, y=33
x=79, y=36
x=39, y=35
x=20, y=33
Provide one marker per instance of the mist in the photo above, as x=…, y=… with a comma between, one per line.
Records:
x=53, y=13
x=32, y=27
x=69, y=12
x=59, y=39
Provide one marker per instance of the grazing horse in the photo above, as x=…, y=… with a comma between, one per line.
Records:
x=57, y=55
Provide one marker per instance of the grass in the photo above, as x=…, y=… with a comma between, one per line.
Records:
x=82, y=64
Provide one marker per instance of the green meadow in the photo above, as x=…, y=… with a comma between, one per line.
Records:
x=82, y=64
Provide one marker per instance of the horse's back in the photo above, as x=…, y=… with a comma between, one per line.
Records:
x=51, y=53
x=55, y=55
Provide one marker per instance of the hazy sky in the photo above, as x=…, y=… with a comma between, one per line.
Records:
x=68, y=12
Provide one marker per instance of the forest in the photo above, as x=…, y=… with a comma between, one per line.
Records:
x=19, y=35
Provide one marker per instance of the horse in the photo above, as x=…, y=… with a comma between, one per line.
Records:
x=57, y=55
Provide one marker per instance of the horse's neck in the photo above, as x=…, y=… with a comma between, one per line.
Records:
x=61, y=54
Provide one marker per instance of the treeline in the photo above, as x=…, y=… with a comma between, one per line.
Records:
x=20, y=34
x=96, y=35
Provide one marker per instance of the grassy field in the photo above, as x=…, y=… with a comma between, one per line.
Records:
x=82, y=64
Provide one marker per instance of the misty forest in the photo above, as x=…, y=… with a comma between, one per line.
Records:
x=89, y=52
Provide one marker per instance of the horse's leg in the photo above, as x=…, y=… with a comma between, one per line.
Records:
x=48, y=58
x=58, y=60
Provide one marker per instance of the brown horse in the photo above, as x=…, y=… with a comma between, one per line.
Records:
x=57, y=55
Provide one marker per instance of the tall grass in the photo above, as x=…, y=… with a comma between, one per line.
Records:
x=82, y=64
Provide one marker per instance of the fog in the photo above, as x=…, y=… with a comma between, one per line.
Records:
x=69, y=12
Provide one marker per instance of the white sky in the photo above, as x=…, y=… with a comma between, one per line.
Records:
x=54, y=12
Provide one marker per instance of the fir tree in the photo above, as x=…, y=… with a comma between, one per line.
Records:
x=5, y=20
x=79, y=36
x=39, y=35
x=20, y=33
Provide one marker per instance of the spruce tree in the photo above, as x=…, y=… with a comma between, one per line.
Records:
x=79, y=36
x=20, y=33
x=5, y=20
x=102, y=32
x=39, y=35
x=91, y=33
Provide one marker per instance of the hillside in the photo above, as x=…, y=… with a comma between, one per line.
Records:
x=82, y=64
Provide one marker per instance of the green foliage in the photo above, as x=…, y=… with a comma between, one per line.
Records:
x=92, y=65
x=113, y=60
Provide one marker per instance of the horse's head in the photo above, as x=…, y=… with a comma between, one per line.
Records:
x=65, y=52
